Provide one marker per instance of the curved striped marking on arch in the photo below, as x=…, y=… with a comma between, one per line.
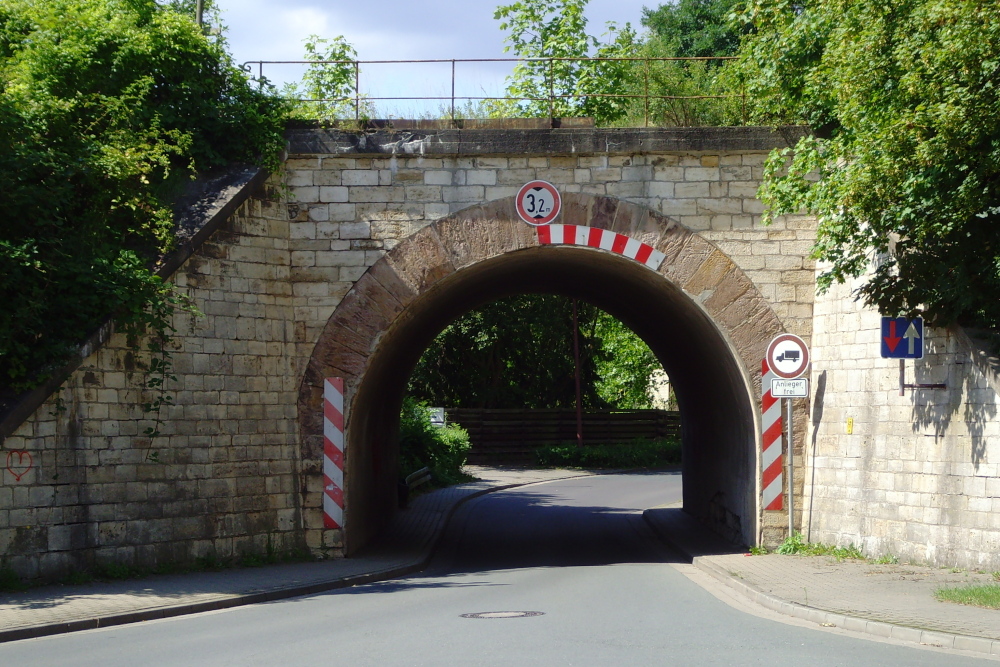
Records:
x=604, y=239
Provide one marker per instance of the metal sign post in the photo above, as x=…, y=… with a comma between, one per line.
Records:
x=789, y=390
x=791, y=468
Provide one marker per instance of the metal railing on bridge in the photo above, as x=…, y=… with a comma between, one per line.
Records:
x=360, y=102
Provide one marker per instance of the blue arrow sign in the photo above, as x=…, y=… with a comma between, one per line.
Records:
x=902, y=338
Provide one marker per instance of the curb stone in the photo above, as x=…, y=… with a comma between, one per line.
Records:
x=853, y=623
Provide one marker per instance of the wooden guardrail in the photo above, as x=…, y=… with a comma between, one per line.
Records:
x=511, y=436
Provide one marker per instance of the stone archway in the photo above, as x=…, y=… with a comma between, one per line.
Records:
x=701, y=315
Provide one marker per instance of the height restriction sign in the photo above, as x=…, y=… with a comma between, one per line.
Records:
x=538, y=203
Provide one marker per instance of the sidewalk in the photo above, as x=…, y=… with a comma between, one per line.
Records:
x=409, y=543
x=895, y=601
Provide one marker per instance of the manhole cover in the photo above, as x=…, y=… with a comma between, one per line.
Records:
x=503, y=614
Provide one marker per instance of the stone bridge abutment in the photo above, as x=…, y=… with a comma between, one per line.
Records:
x=353, y=257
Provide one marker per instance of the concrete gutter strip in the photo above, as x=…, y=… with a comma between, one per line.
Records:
x=853, y=623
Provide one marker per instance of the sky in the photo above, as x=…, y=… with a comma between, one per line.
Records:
x=394, y=30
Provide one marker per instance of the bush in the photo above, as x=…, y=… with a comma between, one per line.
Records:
x=640, y=453
x=106, y=109
x=443, y=449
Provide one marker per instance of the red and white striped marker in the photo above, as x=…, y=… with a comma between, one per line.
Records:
x=333, y=453
x=603, y=239
x=770, y=410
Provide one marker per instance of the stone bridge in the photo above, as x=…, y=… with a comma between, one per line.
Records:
x=348, y=262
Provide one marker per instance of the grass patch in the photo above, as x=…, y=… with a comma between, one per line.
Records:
x=795, y=544
x=639, y=453
x=985, y=595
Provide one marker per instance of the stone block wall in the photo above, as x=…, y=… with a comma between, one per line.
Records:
x=228, y=475
x=918, y=477
x=352, y=208
x=222, y=479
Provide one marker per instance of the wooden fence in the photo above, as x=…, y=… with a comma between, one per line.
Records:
x=511, y=436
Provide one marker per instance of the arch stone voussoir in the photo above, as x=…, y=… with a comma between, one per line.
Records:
x=483, y=232
x=421, y=260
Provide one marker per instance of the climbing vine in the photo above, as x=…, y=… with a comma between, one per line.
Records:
x=152, y=331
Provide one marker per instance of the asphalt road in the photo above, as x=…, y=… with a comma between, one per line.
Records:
x=577, y=551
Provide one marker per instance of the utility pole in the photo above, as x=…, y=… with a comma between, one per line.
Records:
x=200, y=11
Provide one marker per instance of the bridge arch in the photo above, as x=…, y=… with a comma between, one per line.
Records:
x=700, y=314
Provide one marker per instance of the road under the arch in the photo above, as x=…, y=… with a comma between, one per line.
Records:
x=712, y=387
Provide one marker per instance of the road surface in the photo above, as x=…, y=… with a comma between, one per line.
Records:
x=576, y=551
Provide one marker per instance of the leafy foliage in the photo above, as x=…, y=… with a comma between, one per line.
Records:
x=517, y=352
x=684, y=93
x=796, y=544
x=105, y=107
x=443, y=449
x=624, y=367
x=639, y=453
x=328, y=86
x=557, y=29
x=905, y=167
x=694, y=28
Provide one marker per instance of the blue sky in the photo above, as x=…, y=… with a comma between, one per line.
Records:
x=394, y=30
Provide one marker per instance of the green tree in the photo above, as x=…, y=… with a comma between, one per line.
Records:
x=904, y=167
x=106, y=106
x=625, y=366
x=693, y=28
x=697, y=92
x=517, y=352
x=557, y=30
x=326, y=88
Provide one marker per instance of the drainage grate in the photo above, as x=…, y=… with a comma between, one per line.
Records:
x=503, y=614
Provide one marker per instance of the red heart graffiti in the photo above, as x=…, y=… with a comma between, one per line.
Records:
x=16, y=463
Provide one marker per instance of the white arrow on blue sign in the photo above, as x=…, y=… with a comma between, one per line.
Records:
x=902, y=338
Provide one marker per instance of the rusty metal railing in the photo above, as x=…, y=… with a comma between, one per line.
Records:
x=357, y=99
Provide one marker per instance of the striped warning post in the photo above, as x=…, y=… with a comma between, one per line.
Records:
x=770, y=409
x=333, y=453
x=604, y=239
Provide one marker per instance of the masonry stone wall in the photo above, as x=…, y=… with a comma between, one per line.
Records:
x=227, y=475
x=364, y=205
x=222, y=478
x=918, y=477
